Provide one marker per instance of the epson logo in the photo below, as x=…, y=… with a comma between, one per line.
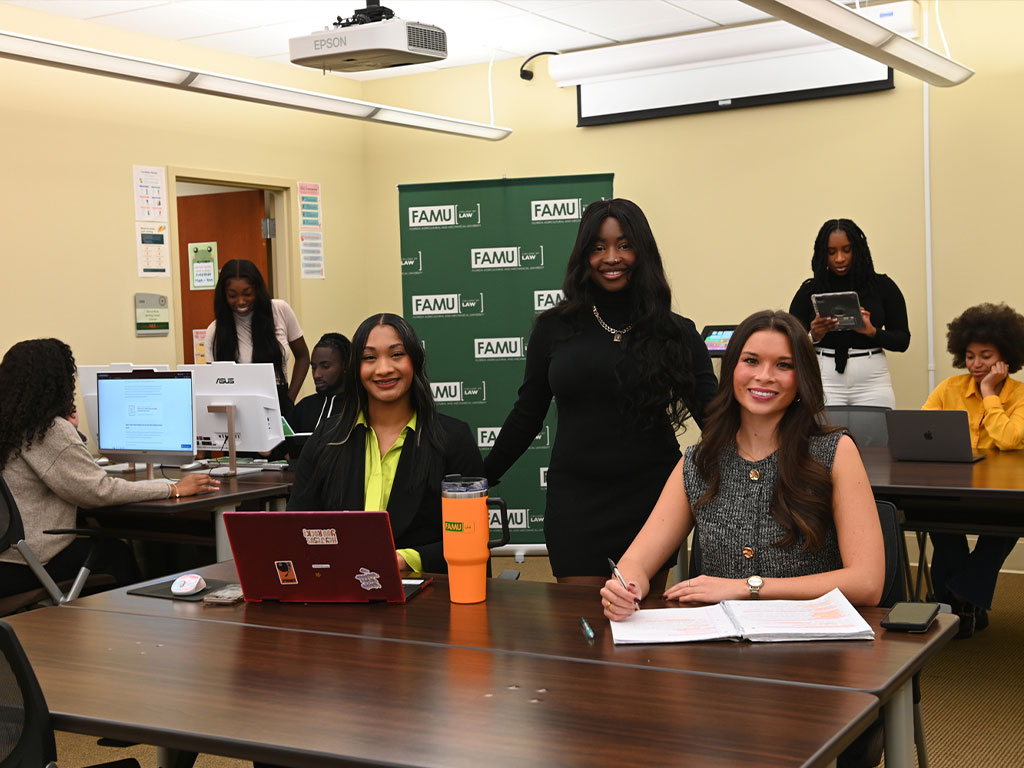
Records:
x=229, y=380
x=485, y=436
x=459, y=392
x=505, y=257
x=444, y=216
x=329, y=43
x=543, y=300
x=499, y=348
x=446, y=304
x=566, y=209
x=517, y=518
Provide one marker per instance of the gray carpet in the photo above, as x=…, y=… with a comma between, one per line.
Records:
x=972, y=693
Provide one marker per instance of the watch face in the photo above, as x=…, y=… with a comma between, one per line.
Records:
x=755, y=581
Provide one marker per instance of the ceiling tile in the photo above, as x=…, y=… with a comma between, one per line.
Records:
x=721, y=11
x=628, y=21
x=169, y=21
x=85, y=9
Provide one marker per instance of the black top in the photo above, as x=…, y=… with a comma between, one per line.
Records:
x=884, y=302
x=307, y=415
x=331, y=476
x=606, y=469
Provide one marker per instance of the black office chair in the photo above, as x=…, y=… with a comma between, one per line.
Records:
x=26, y=733
x=12, y=535
x=865, y=422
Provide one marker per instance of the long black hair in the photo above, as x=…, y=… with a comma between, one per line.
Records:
x=37, y=385
x=265, y=346
x=656, y=372
x=862, y=267
x=802, y=497
x=428, y=432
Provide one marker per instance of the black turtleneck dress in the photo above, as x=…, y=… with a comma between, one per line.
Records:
x=606, y=470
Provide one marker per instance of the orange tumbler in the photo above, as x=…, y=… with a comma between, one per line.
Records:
x=464, y=504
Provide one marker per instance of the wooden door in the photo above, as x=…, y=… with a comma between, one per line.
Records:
x=233, y=220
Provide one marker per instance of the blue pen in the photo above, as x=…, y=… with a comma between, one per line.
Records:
x=622, y=581
x=587, y=631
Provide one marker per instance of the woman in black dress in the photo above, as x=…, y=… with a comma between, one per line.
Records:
x=625, y=372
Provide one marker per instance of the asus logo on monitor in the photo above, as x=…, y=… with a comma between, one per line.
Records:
x=230, y=380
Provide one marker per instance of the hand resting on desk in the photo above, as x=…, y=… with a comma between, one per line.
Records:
x=190, y=485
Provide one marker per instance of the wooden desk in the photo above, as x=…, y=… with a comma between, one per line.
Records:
x=318, y=699
x=265, y=486
x=543, y=620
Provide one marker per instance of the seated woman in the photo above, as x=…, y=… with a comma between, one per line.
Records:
x=50, y=472
x=987, y=340
x=388, y=447
x=782, y=504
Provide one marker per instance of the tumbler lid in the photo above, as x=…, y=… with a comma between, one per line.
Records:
x=459, y=487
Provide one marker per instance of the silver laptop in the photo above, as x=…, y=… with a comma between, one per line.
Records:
x=930, y=436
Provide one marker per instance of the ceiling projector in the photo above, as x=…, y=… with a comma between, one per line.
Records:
x=371, y=39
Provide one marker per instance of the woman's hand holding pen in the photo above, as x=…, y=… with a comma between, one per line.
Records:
x=620, y=602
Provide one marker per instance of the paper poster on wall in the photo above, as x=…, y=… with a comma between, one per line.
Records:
x=311, y=236
x=149, y=184
x=152, y=250
x=202, y=266
x=152, y=315
x=199, y=345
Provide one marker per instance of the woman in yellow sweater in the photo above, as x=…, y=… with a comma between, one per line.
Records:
x=987, y=340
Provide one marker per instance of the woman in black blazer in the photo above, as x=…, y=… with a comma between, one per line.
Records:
x=390, y=415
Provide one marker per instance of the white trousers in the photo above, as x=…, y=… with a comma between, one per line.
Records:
x=865, y=381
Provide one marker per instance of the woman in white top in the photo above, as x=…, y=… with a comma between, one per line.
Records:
x=251, y=327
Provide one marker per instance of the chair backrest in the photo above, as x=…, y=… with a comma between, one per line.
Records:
x=11, y=528
x=894, y=588
x=26, y=734
x=865, y=422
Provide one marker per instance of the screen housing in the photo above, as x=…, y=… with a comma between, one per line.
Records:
x=169, y=392
x=713, y=337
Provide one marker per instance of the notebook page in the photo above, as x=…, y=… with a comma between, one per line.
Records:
x=674, y=625
x=829, y=617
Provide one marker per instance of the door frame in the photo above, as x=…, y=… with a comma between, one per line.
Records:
x=284, y=264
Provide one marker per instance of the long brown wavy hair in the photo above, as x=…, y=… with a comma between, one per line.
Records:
x=802, y=498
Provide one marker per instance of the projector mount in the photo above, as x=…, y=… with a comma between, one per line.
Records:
x=373, y=12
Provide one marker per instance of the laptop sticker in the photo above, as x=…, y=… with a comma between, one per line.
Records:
x=286, y=572
x=316, y=536
x=368, y=579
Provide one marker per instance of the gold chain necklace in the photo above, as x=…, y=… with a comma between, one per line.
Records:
x=615, y=332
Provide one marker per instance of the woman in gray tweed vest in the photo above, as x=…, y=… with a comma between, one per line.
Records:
x=781, y=503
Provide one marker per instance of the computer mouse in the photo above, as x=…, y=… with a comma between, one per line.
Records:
x=188, y=584
x=193, y=465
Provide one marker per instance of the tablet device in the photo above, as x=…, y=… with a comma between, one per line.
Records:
x=716, y=338
x=844, y=306
x=911, y=617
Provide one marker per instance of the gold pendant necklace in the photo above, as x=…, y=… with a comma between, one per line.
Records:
x=615, y=332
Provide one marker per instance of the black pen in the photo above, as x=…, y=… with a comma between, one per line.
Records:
x=622, y=581
x=587, y=631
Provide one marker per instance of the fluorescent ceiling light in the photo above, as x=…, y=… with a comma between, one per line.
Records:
x=836, y=22
x=52, y=53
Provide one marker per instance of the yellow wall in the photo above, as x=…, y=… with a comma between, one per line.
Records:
x=734, y=198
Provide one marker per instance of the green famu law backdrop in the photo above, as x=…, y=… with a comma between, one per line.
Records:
x=480, y=260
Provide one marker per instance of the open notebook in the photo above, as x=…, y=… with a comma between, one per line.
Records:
x=830, y=617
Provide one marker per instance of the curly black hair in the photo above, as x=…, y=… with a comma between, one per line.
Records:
x=995, y=324
x=37, y=385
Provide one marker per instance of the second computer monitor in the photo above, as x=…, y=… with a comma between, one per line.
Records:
x=252, y=389
x=87, y=387
x=145, y=416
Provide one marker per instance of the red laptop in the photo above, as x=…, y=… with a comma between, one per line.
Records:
x=317, y=557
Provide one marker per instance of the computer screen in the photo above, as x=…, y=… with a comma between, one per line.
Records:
x=252, y=389
x=716, y=338
x=146, y=416
x=87, y=388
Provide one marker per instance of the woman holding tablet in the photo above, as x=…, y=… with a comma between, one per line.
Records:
x=987, y=340
x=50, y=472
x=781, y=504
x=625, y=373
x=853, y=366
x=388, y=447
x=251, y=327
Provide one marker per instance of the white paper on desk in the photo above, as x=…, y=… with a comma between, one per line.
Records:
x=829, y=617
x=674, y=625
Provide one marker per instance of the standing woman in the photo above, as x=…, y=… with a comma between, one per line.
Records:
x=853, y=366
x=388, y=447
x=987, y=340
x=51, y=474
x=251, y=327
x=625, y=373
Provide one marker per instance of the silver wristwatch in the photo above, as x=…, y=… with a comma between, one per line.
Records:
x=755, y=583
